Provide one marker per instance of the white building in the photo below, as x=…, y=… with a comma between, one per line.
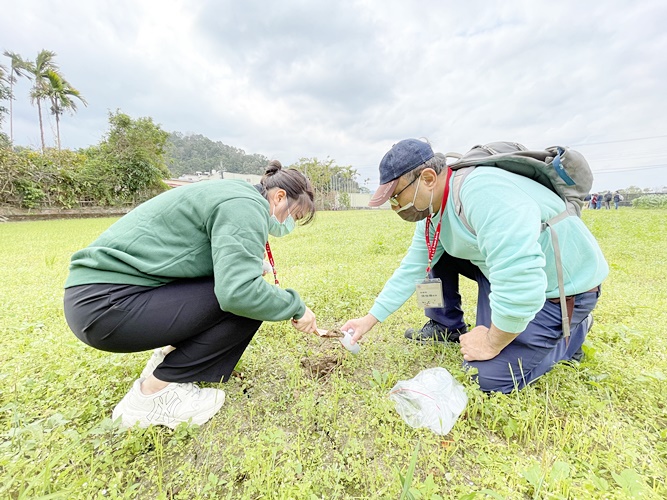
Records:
x=213, y=174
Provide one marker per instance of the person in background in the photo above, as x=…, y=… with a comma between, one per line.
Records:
x=598, y=201
x=607, y=200
x=185, y=270
x=594, y=201
x=617, y=199
x=520, y=335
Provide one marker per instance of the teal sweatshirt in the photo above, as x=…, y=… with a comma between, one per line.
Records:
x=506, y=211
x=213, y=228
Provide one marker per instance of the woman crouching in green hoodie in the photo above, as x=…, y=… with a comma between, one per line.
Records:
x=185, y=270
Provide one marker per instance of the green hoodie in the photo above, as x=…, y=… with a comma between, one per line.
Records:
x=213, y=228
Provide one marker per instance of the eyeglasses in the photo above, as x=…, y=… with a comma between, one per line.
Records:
x=393, y=201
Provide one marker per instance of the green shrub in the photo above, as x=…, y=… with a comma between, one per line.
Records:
x=31, y=179
x=650, y=201
x=31, y=195
x=127, y=167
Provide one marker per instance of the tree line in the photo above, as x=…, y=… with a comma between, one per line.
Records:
x=130, y=164
x=188, y=154
x=126, y=167
x=131, y=161
x=133, y=158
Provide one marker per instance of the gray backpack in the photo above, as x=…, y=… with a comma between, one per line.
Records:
x=564, y=171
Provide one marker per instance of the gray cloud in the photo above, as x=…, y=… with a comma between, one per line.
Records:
x=317, y=53
x=347, y=79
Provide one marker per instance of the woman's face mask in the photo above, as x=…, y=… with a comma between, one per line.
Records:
x=279, y=229
x=411, y=213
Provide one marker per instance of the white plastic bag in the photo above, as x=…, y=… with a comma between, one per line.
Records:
x=431, y=399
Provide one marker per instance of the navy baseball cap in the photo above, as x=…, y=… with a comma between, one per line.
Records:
x=403, y=157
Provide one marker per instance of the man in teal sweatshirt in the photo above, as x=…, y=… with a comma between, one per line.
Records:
x=519, y=332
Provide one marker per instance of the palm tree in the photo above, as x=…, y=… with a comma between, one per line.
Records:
x=5, y=92
x=60, y=92
x=40, y=90
x=19, y=67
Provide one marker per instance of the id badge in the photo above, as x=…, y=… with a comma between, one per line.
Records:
x=429, y=293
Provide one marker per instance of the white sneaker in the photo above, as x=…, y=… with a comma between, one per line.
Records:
x=155, y=359
x=170, y=406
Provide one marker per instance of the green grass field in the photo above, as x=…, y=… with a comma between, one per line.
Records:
x=594, y=430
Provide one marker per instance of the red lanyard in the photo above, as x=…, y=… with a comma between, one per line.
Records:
x=431, y=246
x=273, y=265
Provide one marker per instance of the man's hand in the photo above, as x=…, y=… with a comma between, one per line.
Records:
x=306, y=323
x=360, y=326
x=482, y=343
x=266, y=268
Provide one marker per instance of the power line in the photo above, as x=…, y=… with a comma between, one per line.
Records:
x=626, y=157
x=628, y=169
x=619, y=140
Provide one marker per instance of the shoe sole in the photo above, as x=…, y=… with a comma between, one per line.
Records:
x=427, y=341
x=431, y=340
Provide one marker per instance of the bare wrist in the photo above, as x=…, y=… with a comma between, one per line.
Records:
x=499, y=339
x=371, y=320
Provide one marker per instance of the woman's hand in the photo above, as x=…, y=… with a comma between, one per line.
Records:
x=307, y=323
x=360, y=326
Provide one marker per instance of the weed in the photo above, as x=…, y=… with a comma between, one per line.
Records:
x=406, y=481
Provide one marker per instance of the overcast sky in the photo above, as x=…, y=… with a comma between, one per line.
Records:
x=347, y=79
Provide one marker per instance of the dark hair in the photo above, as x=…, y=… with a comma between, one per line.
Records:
x=296, y=185
x=437, y=163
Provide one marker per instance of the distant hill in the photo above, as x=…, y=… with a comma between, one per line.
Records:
x=188, y=154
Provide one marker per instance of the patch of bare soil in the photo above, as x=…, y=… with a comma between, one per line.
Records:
x=321, y=366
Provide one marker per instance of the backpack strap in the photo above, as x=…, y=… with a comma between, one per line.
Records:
x=459, y=176
x=570, y=209
x=565, y=319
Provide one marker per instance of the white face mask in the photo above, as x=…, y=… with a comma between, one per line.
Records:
x=411, y=213
x=279, y=229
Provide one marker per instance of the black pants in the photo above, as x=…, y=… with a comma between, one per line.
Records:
x=184, y=313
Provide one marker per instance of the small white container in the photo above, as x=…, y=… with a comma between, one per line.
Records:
x=266, y=268
x=346, y=339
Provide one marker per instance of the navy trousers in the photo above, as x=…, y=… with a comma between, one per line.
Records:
x=533, y=352
x=184, y=313
x=448, y=269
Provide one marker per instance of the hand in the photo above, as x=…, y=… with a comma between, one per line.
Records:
x=360, y=326
x=307, y=323
x=482, y=343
